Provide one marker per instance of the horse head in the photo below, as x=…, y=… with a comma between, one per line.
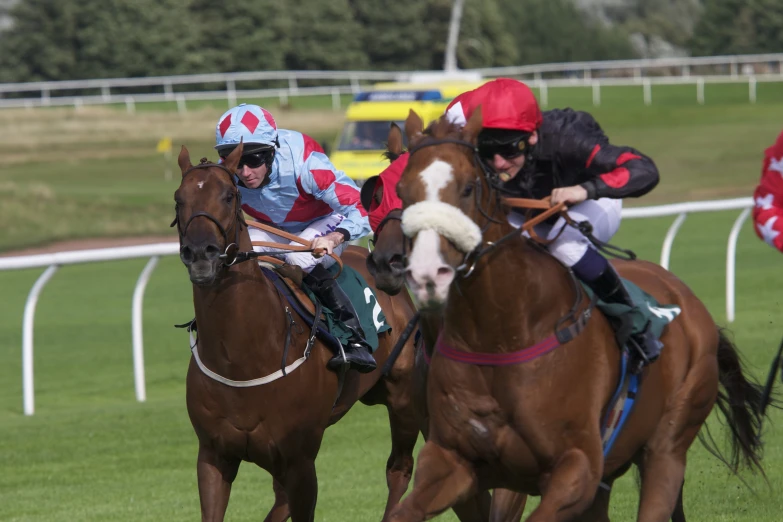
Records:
x=445, y=196
x=208, y=216
x=386, y=262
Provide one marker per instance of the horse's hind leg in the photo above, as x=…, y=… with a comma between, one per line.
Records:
x=662, y=479
x=399, y=467
x=280, y=512
x=215, y=476
x=507, y=506
x=301, y=487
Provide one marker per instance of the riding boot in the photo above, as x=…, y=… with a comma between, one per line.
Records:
x=358, y=352
x=610, y=289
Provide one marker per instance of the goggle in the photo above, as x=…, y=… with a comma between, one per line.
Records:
x=254, y=159
x=507, y=150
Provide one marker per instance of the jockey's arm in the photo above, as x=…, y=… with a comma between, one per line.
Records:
x=322, y=179
x=616, y=172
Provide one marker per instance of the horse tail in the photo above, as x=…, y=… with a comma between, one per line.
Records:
x=740, y=401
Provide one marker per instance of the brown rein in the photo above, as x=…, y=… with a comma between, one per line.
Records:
x=283, y=246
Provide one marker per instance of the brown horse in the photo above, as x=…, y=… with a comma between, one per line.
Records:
x=385, y=263
x=245, y=331
x=534, y=427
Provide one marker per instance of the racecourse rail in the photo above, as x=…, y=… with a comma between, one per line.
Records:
x=645, y=73
x=53, y=261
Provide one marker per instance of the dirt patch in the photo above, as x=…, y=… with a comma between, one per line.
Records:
x=89, y=243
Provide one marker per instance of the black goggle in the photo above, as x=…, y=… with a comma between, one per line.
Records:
x=254, y=159
x=507, y=150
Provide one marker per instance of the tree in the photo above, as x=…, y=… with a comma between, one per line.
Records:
x=394, y=34
x=324, y=36
x=70, y=39
x=739, y=27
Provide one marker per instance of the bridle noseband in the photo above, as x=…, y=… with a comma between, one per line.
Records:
x=229, y=256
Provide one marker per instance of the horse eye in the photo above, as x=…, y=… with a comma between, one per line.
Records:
x=229, y=197
x=467, y=191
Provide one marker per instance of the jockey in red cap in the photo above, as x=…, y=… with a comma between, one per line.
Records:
x=566, y=155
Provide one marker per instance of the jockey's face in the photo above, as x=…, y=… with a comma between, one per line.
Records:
x=507, y=167
x=252, y=178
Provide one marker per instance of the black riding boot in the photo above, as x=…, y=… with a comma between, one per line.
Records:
x=610, y=288
x=357, y=352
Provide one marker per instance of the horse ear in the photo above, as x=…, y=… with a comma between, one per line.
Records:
x=474, y=125
x=413, y=125
x=232, y=160
x=394, y=144
x=184, y=160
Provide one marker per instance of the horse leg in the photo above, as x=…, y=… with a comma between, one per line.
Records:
x=280, y=512
x=215, y=476
x=599, y=509
x=663, y=475
x=507, y=506
x=570, y=487
x=475, y=508
x=301, y=487
x=399, y=467
x=442, y=479
x=679, y=510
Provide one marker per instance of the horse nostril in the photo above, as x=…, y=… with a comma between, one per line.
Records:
x=397, y=262
x=212, y=251
x=445, y=271
x=186, y=254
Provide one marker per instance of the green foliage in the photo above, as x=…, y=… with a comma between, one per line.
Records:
x=58, y=40
x=739, y=27
x=556, y=31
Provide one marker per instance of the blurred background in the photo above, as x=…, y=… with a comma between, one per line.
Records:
x=96, y=97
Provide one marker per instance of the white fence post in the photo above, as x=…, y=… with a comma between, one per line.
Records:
x=27, y=339
x=666, y=250
x=231, y=93
x=752, y=89
x=130, y=105
x=596, y=94
x=542, y=88
x=700, y=90
x=335, y=100
x=137, y=318
x=181, y=107
x=647, y=88
x=731, y=262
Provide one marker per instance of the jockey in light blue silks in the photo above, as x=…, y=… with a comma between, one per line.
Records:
x=286, y=180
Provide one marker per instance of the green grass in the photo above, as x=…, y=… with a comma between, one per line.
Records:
x=293, y=102
x=92, y=453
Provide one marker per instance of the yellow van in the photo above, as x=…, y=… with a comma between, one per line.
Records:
x=359, y=148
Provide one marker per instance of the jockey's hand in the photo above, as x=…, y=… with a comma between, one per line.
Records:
x=568, y=195
x=325, y=245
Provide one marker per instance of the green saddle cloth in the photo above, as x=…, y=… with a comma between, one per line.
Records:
x=362, y=297
x=628, y=320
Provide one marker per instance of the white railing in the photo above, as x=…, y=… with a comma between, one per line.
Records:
x=712, y=69
x=154, y=252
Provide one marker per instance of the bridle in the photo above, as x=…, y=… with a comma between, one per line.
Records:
x=229, y=256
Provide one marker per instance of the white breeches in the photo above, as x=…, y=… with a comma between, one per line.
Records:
x=303, y=259
x=603, y=214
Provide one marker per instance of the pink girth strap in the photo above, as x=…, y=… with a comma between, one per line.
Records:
x=498, y=359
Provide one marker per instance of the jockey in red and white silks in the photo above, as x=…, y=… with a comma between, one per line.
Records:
x=301, y=192
x=768, y=197
x=286, y=180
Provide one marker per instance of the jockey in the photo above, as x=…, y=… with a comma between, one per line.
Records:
x=768, y=210
x=287, y=181
x=566, y=155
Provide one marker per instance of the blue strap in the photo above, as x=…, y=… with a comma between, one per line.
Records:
x=630, y=399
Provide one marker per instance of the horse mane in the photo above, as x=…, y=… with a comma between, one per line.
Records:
x=389, y=155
